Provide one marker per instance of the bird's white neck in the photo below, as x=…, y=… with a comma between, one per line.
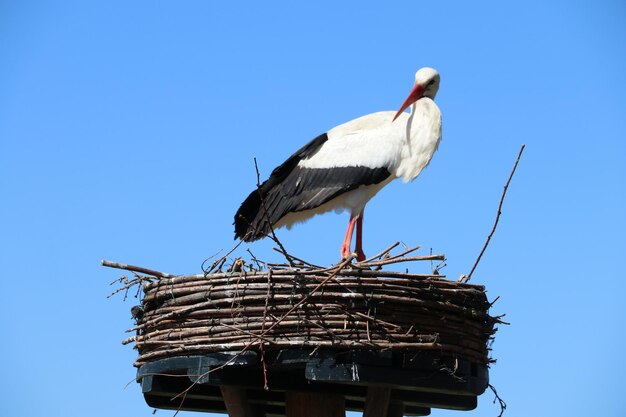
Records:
x=422, y=134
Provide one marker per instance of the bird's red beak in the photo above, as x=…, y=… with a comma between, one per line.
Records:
x=415, y=95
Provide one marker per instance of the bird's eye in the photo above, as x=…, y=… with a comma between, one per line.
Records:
x=431, y=82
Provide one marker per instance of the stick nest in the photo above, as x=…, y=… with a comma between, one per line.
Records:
x=299, y=305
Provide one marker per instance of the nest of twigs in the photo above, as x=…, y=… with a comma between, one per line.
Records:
x=299, y=305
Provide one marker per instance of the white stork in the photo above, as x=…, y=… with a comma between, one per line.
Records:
x=345, y=167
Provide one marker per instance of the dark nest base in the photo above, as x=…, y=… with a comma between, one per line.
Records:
x=410, y=383
x=264, y=339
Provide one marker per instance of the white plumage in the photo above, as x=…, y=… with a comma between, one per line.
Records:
x=345, y=167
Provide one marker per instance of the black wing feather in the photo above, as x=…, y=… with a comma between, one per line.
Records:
x=291, y=188
x=246, y=227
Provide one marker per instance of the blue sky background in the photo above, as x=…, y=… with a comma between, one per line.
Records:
x=127, y=132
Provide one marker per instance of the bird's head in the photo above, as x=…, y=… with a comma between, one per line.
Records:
x=426, y=85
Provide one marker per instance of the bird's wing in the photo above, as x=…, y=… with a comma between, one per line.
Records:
x=309, y=188
x=249, y=219
x=371, y=141
x=318, y=172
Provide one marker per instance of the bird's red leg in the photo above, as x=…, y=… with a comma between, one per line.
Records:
x=360, y=256
x=347, y=240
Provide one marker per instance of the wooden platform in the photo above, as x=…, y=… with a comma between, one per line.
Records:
x=322, y=382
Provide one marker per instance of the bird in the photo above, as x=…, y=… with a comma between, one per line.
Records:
x=343, y=168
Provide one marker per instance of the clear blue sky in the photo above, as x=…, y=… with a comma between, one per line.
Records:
x=127, y=132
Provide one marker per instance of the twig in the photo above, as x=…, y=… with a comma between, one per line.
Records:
x=267, y=300
x=208, y=259
x=494, y=301
x=406, y=252
x=256, y=260
x=302, y=261
x=500, y=400
x=381, y=254
x=180, y=407
x=218, y=263
x=368, y=317
x=240, y=330
x=367, y=326
x=128, y=284
x=264, y=365
x=506, y=186
x=136, y=269
x=267, y=217
x=395, y=259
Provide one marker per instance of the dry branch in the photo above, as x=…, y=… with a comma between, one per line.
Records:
x=138, y=269
x=495, y=224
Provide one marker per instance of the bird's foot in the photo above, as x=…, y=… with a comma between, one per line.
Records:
x=345, y=252
x=354, y=263
x=345, y=258
x=360, y=258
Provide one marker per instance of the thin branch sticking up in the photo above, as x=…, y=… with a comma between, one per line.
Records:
x=267, y=218
x=218, y=263
x=128, y=284
x=382, y=254
x=302, y=261
x=506, y=186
